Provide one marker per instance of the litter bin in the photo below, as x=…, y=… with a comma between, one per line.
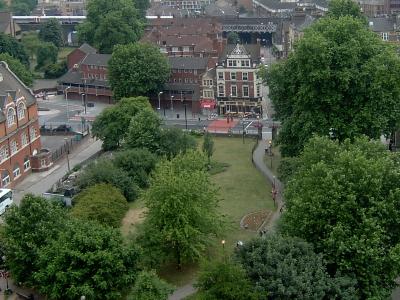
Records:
x=177, y=116
x=78, y=137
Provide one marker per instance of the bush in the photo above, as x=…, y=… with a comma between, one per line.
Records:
x=55, y=70
x=149, y=286
x=101, y=202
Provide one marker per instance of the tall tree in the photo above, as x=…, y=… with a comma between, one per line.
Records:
x=18, y=68
x=341, y=79
x=50, y=31
x=28, y=228
x=111, y=125
x=288, y=268
x=224, y=280
x=142, y=6
x=11, y=46
x=102, y=203
x=182, y=213
x=46, y=55
x=233, y=38
x=109, y=23
x=174, y=141
x=137, y=70
x=341, y=8
x=86, y=259
x=344, y=199
x=148, y=286
x=31, y=42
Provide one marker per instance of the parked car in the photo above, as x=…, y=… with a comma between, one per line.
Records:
x=63, y=128
x=6, y=200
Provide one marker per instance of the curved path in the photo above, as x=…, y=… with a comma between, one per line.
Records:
x=258, y=161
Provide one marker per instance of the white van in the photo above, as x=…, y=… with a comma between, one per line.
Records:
x=6, y=200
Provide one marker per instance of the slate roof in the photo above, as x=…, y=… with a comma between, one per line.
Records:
x=5, y=20
x=252, y=49
x=276, y=4
x=75, y=77
x=11, y=84
x=85, y=47
x=96, y=59
x=301, y=22
x=191, y=63
x=381, y=24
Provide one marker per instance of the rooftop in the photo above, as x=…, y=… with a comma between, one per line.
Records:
x=192, y=63
x=96, y=59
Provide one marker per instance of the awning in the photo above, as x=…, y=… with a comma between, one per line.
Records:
x=207, y=103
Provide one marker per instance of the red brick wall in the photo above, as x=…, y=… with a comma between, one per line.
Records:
x=100, y=72
x=75, y=57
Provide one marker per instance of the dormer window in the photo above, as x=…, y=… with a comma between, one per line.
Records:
x=21, y=111
x=10, y=117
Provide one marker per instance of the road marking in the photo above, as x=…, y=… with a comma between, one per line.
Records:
x=249, y=125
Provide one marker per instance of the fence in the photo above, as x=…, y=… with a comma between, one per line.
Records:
x=69, y=145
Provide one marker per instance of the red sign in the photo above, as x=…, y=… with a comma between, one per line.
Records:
x=207, y=103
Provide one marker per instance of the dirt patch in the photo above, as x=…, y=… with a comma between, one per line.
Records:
x=133, y=217
x=253, y=221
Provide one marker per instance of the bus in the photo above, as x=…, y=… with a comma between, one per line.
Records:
x=6, y=200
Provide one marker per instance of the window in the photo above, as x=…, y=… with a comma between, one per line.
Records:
x=221, y=91
x=245, y=91
x=208, y=94
x=13, y=147
x=231, y=63
x=21, y=110
x=180, y=79
x=32, y=132
x=233, y=91
x=10, y=117
x=186, y=49
x=16, y=171
x=27, y=163
x=3, y=153
x=190, y=71
x=233, y=76
x=186, y=80
x=220, y=75
x=245, y=76
x=195, y=72
x=185, y=70
x=5, y=178
x=179, y=71
x=245, y=63
x=174, y=49
x=258, y=91
x=385, y=36
x=24, y=139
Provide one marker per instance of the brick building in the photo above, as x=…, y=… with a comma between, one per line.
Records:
x=19, y=128
x=238, y=88
x=87, y=77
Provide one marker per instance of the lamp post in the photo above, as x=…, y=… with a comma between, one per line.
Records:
x=66, y=99
x=159, y=101
x=182, y=100
x=172, y=104
x=84, y=101
x=223, y=249
x=67, y=146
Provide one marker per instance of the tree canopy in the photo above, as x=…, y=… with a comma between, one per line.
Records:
x=50, y=31
x=344, y=199
x=28, y=228
x=341, y=79
x=109, y=23
x=18, y=68
x=137, y=70
x=46, y=54
x=341, y=8
x=86, y=259
x=148, y=286
x=182, y=215
x=112, y=123
x=11, y=46
x=102, y=203
x=23, y=7
x=288, y=268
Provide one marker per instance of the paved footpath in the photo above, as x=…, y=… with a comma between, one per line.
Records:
x=258, y=160
x=38, y=183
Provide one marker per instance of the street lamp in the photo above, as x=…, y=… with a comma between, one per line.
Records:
x=159, y=101
x=223, y=249
x=84, y=101
x=182, y=100
x=67, y=147
x=172, y=104
x=66, y=99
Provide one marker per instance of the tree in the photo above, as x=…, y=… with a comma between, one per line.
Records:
x=233, y=38
x=342, y=79
x=28, y=228
x=86, y=259
x=138, y=163
x=50, y=31
x=112, y=123
x=208, y=146
x=18, y=68
x=288, y=268
x=101, y=202
x=344, y=199
x=109, y=23
x=104, y=171
x=182, y=215
x=20, y=8
x=31, y=42
x=46, y=54
x=173, y=141
x=341, y=8
x=142, y=6
x=137, y=70
x=149, y=286
x=11, y=46
x=55, y=70
x=144, y=130
x=224, y=280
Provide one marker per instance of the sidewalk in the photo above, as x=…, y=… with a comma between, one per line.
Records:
x=38, y=183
